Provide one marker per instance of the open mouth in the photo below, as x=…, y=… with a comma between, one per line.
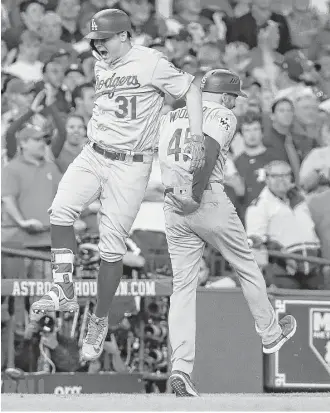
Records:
x=102, y=51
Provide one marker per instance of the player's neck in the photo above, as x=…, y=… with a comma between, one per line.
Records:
x=126, y=47
x=255, y=151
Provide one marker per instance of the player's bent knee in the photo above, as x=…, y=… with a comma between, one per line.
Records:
x=62, y=215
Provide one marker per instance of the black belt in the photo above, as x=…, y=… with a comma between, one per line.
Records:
x=208, y=187
x=116, y=156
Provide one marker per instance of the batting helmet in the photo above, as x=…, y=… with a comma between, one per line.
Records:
x=108, y=22
x=222, y=81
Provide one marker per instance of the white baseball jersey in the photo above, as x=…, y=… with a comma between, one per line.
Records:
x=129, y=95
x=218, y=122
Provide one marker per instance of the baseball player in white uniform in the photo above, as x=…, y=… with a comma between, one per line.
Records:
x=115, y=165
x=197, y=211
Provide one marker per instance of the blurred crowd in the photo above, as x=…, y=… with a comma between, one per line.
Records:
x=278, y=171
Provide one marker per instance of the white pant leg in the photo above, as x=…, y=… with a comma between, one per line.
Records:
x=186, y=250
x=219, y=225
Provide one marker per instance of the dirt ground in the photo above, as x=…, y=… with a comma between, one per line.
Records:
x=160, y=402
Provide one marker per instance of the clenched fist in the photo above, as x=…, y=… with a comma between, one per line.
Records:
x=195, y=150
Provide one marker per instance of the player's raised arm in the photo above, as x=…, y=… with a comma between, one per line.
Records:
x=178, y=84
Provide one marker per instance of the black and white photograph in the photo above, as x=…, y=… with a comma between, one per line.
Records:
x=165, y=205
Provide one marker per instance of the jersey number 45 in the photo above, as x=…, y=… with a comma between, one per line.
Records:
x=175, y=144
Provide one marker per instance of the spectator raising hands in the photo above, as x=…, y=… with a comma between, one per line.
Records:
x=31, y=13
x=27, y=66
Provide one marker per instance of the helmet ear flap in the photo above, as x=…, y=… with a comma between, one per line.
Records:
x=95, y=53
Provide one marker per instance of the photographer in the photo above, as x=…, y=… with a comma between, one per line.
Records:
x=45, y=349
x=280, y=219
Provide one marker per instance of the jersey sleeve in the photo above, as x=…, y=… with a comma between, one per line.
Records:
x=220, y=126
x=169, y=79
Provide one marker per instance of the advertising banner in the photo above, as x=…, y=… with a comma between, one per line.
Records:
x=304, y=361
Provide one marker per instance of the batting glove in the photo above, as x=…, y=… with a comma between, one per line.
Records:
x=195, y=151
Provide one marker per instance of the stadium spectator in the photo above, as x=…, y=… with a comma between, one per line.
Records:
x=74, y=77
x=145, y=23
x=189, y=64
x=87, y=63
x=263, y=57
x=73, y=141
x=27, y=66
x=216, y=32
x=236, y=58
x=4, y=53
x=209, y=57
x=188, y=14
x=31, y=13
x=245, y=28
x=315, y=169
x=322, y=41
x=51, y=34
x=288, y=81
x=69, y=10
x=83, y=101
x=281, y=218
x=53, y=77
x=278, y=139
x=83, y=45
x=5, y=20
x=241, y=8
x=61, y=57
x=304, y=24
x=306, y=128
x=323, y=64
x=181, y=44
x=29, y=184
x=250, y=164
x=18, y=96
x=89, y=8
x=29, y=115
x=319, y=207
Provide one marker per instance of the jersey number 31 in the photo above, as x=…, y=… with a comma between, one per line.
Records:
x=126, y=107
x=175, y=144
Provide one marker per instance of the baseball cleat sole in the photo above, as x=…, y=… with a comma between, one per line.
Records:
x=181, y=386
x=43, y=308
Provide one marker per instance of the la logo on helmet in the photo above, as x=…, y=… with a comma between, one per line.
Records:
x=94, y=25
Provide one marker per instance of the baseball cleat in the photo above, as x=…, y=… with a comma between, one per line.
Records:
x=94, y=341
x=182, y=385
x=289, y=327
x=55, y=300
